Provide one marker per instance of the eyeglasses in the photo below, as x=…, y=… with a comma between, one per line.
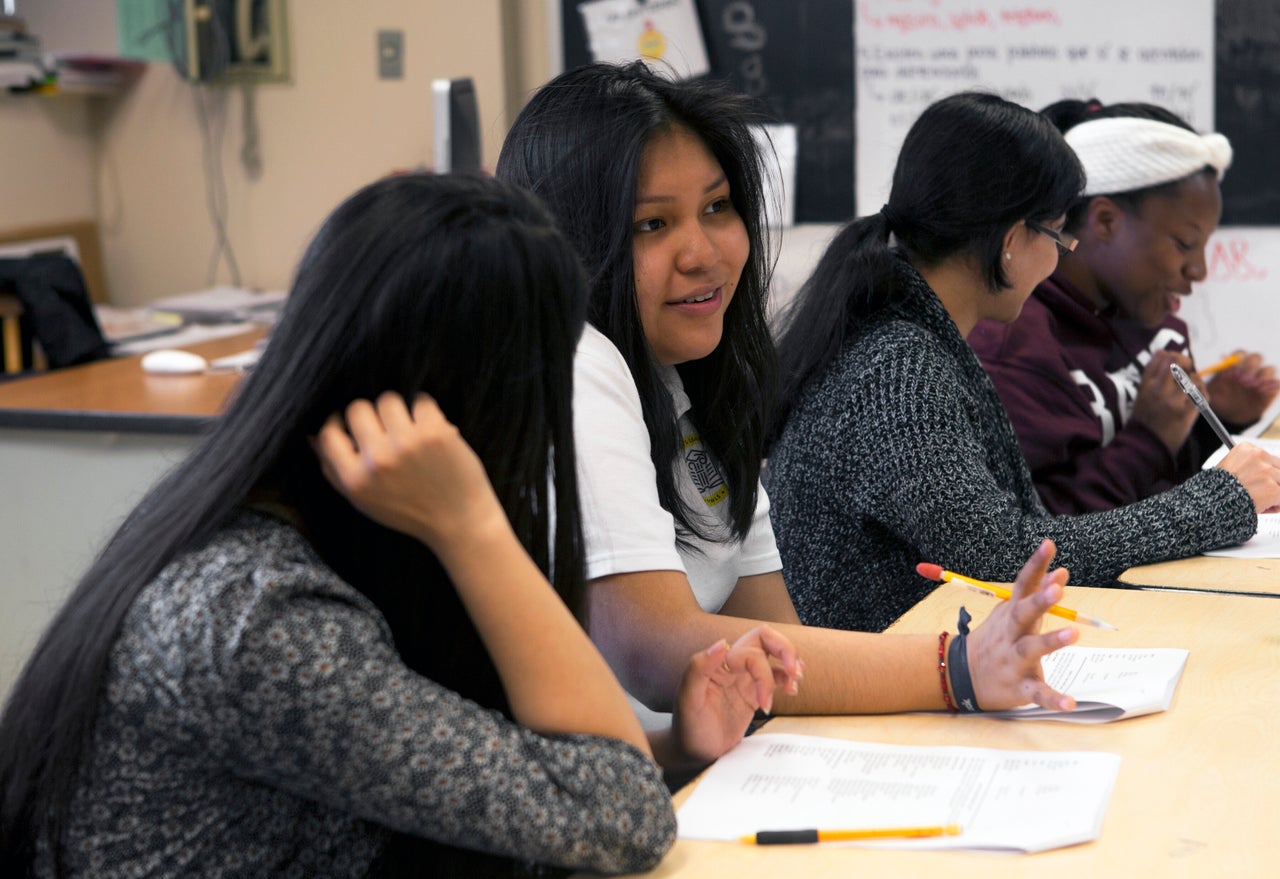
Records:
x=1066, y=242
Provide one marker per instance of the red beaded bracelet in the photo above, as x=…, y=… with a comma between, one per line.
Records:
x=942, y=671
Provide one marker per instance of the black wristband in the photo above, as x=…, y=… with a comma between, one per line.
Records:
x=958, y=665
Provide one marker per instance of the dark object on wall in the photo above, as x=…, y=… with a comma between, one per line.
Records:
x=56, y=308
x=228, y=41
x=1247, y=108
x=797, y=57
x=455, y=126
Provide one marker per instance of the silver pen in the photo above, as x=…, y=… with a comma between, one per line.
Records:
x=1189, y=388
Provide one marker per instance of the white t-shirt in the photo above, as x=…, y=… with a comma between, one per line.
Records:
x=625, y=527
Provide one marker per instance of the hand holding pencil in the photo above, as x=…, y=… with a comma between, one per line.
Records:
x=1225, y=363
x=1242, y=386
x=1258, y=471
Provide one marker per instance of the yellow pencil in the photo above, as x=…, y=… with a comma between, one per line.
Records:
x=1225, y=363
x=934, y=572
x=795, y=837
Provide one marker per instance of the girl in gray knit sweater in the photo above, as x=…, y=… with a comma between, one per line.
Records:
x=893, y=447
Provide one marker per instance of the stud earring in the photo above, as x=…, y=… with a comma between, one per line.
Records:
x=1008, y=255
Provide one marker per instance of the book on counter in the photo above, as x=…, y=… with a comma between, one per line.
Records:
x=223, y=305
x=120, y=324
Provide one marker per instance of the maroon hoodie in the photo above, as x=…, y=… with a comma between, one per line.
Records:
x=1068, y=375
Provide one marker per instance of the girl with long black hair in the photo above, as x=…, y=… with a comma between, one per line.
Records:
x=658, y=185
x=344, y=644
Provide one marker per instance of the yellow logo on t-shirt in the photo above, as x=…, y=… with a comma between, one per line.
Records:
x=704, y=472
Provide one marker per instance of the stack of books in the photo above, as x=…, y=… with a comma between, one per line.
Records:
x=22, y=67
x=81, y=72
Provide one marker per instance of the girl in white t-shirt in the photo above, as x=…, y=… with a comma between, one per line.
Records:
x=659, y=185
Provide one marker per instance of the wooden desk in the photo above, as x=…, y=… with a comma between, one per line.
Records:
x=1209, y=574
x=78, y=449
x=1196, y=793
x=1212, y=574
x=117, y=395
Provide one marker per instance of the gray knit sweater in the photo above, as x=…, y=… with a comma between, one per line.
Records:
x=900, y=452
x=257, y=720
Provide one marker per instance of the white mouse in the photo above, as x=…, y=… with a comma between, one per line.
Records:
x=171, y=361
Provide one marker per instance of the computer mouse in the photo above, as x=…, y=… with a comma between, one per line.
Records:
x=171, y=361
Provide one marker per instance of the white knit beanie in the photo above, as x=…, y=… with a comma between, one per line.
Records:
x=1126, y=154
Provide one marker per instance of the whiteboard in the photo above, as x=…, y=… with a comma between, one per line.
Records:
x=909, y=53
x=1237, y=305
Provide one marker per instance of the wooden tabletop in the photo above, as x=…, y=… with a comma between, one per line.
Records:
x=1196, y=793
x=117, y=395
x=1209, y=574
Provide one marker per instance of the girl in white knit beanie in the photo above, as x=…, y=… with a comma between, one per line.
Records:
x=1084, y=371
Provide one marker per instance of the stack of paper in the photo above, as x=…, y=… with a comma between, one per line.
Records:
x=1107, y=683
x=22, y=66
x=1265, y=543
x=127, y=324
x=1267, y=445
x=1268, y=417
x=223, y=305
x=1002, y=800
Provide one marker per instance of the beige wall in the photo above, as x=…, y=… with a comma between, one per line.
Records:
x=134, y=161
x=46, y=160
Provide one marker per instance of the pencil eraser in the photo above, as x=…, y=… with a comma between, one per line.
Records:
x=932, y=572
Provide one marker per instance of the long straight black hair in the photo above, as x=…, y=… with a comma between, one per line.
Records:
x=1067, y=114
x=578, y=144
x=462, y=288
x=970, y=167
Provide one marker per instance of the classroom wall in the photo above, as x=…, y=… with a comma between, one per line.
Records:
x=336, y=127
x=46, y=161
x=47, y=144
x=135, y=161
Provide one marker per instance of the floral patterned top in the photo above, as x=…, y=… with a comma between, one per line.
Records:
x=257, y=720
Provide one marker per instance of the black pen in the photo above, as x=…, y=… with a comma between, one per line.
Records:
x=1189, y=388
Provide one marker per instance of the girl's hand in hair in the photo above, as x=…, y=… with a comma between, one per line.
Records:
x=1241, y=393
x=723, y=687
x=1005, y=651
x=410, y=470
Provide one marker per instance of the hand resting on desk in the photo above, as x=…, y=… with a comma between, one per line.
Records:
x=721, y=690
